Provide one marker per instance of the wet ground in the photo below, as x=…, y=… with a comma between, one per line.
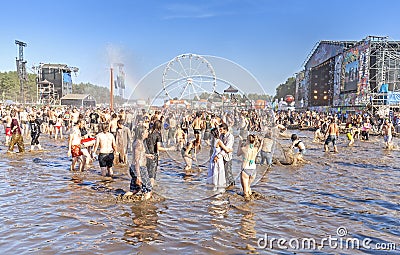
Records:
x=354, y=194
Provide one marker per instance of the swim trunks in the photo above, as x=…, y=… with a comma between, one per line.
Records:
x=106, y=159
x=76, y=151
x=8, y=131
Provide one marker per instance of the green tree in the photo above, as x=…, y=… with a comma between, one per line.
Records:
x=287, y=88
x=10, y=87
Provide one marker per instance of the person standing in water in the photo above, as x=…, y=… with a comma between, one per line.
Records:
x=34, y=124
x=140, y=177
x=16, y=137
x=331, y=135
x=298, y=144
x=266, y=149
x=74, y=146
x=228, y=140
x=387, y=131
x=248, y=151
x=105, y=141
x=7, y=127
x=123, y=141
x=153, y=144
x=189, y=152
x=216, y=171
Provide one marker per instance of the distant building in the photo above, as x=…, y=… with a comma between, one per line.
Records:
x=78, y=100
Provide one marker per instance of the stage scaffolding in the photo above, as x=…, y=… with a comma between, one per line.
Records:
x=384, y=69
x=46, y=94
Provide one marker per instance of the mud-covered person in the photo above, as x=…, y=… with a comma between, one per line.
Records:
x=266, y=149
x=300, y=150
x=16, y=137
x=138, y=171
x=153, y=144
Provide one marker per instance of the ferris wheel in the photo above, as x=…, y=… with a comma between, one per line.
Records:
x=189, y=76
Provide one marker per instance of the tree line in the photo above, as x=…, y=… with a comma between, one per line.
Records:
x=10, y=89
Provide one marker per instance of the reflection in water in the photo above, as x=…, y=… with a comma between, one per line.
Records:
x=247, y=224
x=46, y=209
x=144, y=224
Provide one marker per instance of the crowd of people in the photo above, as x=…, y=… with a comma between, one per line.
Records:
x=108, y=136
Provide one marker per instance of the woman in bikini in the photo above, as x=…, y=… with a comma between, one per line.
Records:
x=249, y=151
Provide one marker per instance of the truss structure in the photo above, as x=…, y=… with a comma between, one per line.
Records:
x=46, y=94
x=384, y=69
x=384, y=63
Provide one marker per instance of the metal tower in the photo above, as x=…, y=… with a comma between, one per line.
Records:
x=21, y=70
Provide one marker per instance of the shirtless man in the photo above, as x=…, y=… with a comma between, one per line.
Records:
x=52, y=121
x=106, y=142
x=114, y=124
x=197, y=125
x=331, y=135
x=387, y=131
x=74, y=116
x=74, y=147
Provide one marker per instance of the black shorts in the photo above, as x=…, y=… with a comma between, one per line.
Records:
x=331, y=138
x=106, y=159
x=196, y=131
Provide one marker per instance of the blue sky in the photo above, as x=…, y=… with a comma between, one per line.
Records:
x=271, y=39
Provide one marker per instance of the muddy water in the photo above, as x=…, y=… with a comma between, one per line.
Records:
x=46, y=209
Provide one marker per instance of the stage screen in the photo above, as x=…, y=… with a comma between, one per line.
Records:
x=356, y=69
x=351, y=76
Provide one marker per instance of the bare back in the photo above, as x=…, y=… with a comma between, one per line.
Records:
x=106, y=142
x=333, y=129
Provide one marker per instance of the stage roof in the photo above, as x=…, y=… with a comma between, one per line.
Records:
x=77, y=96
